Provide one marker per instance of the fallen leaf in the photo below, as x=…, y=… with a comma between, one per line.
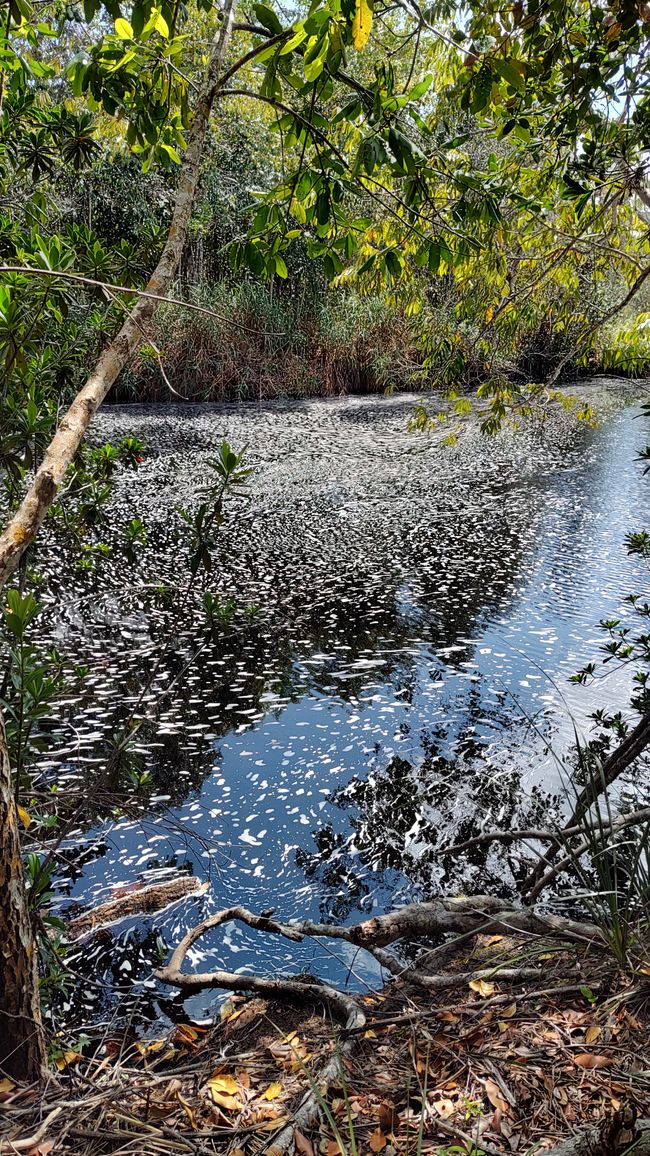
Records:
x=185, y=1034
x=493, y=1093
x=23, y=815
x=6, y=1086
x=188, y=1110
x=62, y=1062
x=589, y=1060
x=273, y=1091
x=387, y=1116
x=333, y=1148
x=42, y=1149
x=223, y=1084
x=444, y=1108
x=377, y=1141
x=448, y=1017
x=482, y=987
x=302, y=1144
x=230, y=1103
x=272, y=1125
x=509, y=1011
x=592, y=1033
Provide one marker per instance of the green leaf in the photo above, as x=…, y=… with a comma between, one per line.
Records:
x=511, y=71
x=123, y=29
x=268, y=18
x=293, y=42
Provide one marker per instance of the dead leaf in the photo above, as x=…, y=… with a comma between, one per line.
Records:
x=444, y=1108
x=62, y=1062
x=273, y=1091
x=188, y=1110
x=377, y=1141
x=303, y=1145
x=6, y=1086
x=186, y=1034
x=226, y=1084
x=387, y=1116
x=42, y=1149
x=230, y=1103
x=592, y=1033
x=508, y=1012
x=589, y=1060
x=494, y=1095
x=482, y=986
x=333, y=1148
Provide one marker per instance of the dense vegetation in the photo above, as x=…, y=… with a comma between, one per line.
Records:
x=357, y=196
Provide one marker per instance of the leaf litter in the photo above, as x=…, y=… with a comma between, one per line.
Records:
x=493, y=1074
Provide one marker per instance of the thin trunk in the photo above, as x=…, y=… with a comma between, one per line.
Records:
x=22, y=1044
x=28, y=519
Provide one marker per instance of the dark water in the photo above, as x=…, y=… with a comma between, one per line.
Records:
x=417, y=611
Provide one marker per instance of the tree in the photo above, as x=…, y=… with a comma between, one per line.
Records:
x=385, y=174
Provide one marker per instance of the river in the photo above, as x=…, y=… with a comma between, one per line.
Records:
x=394, y=674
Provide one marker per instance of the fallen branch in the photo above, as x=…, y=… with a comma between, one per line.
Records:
x=134, y=900
x=544, y=880
x=415, y=922
x=29, y=1142
x=613, y=1137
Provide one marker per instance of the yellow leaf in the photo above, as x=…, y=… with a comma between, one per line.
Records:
x=23, y=816
x=223, y=1084
x=482, y=987
x=489, y=314
x=273, y=1091
x=230, y=1103
x=509, y=1011
x=592, y=1033
x=6, y=1086
x=361, y=24
x=62, y=1062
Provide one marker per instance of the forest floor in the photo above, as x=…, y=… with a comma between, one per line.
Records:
x=494, y=1068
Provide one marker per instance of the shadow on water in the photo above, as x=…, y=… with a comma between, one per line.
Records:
x=417, y=613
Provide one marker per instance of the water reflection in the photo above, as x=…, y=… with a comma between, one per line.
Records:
x=390, y=692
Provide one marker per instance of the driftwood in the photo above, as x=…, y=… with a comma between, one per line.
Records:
x=138, y=899
x=418, y=921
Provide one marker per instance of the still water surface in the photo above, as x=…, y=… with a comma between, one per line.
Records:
x=417, y=611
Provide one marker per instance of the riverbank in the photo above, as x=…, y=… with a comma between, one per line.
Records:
x=492, y=1067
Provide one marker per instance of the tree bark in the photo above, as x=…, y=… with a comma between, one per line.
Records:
x=22, y=1043
x=28, y=519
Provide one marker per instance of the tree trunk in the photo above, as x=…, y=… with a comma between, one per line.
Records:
x=22, y=1044
x=71, y=431
x=22, y=1047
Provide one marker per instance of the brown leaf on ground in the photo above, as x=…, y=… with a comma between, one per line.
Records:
x=303, y=1145
x=493, y=1093
x=377, y=1141
x=589, y=1060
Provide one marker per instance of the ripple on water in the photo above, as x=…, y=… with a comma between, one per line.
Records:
x=418, y=613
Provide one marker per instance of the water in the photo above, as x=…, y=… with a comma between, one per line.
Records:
x=417, y=611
